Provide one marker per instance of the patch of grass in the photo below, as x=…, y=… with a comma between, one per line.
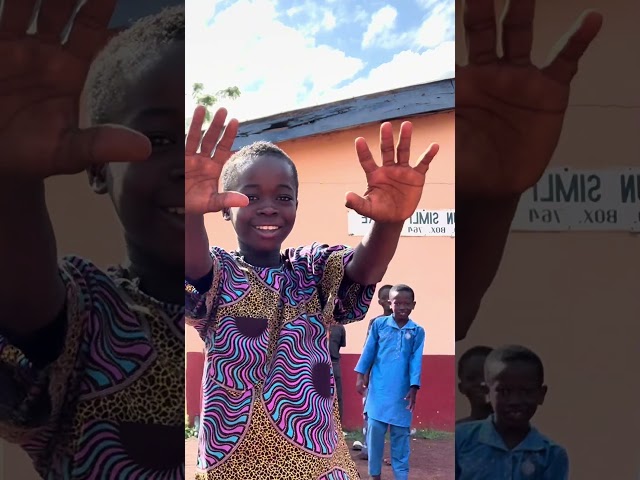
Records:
x=189, y=431
x=352, y=436
x=429, y=434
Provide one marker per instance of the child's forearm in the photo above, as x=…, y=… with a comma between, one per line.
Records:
x=372, y=257
x=32, y=292
x=198, y=262
x=482, y=229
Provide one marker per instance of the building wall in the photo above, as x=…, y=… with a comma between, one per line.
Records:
x=328, y=168
x=589, y=338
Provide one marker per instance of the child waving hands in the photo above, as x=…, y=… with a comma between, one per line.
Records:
x=263, y=312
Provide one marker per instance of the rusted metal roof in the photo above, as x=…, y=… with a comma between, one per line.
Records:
x=403, y=103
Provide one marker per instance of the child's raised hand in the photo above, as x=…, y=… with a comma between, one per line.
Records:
x=393, y=189
x=509, y=112
x=41, y=81
x=202, y=171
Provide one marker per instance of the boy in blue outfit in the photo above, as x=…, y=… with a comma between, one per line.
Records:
x=393, y=356
x=505, y=445
x=383, y=301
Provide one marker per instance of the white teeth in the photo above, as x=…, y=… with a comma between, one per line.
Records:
x=268, y=227
x=176, y=210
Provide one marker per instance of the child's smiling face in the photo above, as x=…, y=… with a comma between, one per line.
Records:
x=402, y=304
x=149, y=196
x=516, y=391
x=262, y=226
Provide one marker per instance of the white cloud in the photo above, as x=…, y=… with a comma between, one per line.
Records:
x=293, y=11
x=274, y=59
x=438, y=25
x=382, y=22
x=312, y=18
x=417, y=68
x=428, y=4
x=360, y=16
x=274, y=65
x=432, y=32
x=329, y=20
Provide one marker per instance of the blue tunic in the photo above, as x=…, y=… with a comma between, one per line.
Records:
x=394, y=356
x=481, y=454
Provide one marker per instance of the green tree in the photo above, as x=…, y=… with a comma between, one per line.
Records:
x=208, y=100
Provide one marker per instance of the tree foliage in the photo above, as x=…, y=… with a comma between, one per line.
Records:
x=208, y=100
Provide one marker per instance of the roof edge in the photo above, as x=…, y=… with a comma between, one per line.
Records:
x=427, y=98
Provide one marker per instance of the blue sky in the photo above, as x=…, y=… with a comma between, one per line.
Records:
x=289, y=54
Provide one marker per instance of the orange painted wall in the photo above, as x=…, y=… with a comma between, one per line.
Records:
x=573, y=297
x=328, y=168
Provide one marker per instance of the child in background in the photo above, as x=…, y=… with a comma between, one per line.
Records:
x=92, y=373
x=471, y=383
x=393, y=354
x=337, y=340
x=383, y=301
x=268, y=404
x=506, y=445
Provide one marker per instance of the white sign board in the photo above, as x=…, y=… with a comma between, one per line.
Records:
x=423, y=223
x=566, y=199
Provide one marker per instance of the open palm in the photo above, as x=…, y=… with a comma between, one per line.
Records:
x=41, y=81
x=203, y=163
x=393, y=189
x=509, y=112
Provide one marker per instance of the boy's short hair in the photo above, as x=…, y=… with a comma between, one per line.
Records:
x=246, y=155
x=512, y=354
x=401, y=287
x=126, y=56
x=383, y=288
x=477, y=351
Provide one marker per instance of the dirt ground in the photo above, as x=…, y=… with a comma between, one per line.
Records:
x=430, y=460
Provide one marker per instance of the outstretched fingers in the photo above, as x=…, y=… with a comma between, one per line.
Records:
x=564, y=58
x=426, y=158
x=387, y=149
x=403, y=149
x=364, y=156
x=212, y=135
x=54, y=16
x=195, y=131
x=90, y=28
x=100, y=145
x=358, y=204
x=230, y=200
x=223, y=149
x=479, y=19
x=517, y=31
x=16, y=16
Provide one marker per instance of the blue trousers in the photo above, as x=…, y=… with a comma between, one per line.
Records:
x=400, y=448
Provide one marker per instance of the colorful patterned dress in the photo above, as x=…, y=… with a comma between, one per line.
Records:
x=111, y=406
x=269, y=408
